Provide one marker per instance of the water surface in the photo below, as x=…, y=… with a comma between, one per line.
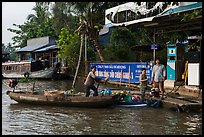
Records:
x=19, y=119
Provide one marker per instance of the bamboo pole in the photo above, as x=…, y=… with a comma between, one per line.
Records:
x=123, y=83
x=121, y=76
x=129, y=77
x=85, y=56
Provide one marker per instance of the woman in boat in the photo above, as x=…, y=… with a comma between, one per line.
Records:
x=89, y=82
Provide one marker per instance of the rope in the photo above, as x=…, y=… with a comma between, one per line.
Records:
x=173, y=89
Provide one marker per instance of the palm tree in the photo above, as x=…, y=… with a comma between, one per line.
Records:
x=88, y=23
x=42, y=13
x=41, y=21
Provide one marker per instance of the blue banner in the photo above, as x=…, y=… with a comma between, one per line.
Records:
x=121, y=71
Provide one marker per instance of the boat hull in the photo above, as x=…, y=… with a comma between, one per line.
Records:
x=62, y=100
x=44, y=74
x=130, y=104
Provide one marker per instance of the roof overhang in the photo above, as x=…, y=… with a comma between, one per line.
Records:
x=51, y=47
x=168, y=21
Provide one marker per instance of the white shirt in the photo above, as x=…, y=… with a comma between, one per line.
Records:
x=90, y=79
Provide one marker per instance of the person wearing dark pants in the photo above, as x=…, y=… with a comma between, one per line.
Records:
x=88, y=90
x=90, y=81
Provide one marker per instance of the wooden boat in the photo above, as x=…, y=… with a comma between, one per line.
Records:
x=59, y=98
x=46, y=73
x=148, y=103
x=128, y=102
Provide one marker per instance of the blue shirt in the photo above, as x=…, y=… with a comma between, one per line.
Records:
x=158, y=72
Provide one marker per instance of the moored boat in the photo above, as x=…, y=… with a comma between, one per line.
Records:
x=46, y=73
x=131, y=104
x=27, y=69
x=123, y=100
x=147, y=103
x=59, y=98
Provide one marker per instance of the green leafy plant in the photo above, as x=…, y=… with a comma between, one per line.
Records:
x=25, y=80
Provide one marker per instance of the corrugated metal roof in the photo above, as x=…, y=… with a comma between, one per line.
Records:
x=30, y=48
x=37, y=43
x=47, y=48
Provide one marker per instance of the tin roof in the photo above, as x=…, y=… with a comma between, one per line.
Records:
x=37, y=43
x=47, y=48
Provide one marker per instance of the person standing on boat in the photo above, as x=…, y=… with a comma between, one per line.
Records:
x=143, y=83
x=158, y=76
x=89, y=82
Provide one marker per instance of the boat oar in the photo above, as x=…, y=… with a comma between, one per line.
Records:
x=102, y=81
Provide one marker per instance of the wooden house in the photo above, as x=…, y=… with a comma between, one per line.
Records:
x=43, y=49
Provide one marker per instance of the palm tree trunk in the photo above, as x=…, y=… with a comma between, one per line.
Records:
x=95, y=35
x=80, y=54
x=97, y=46
x=99, y=52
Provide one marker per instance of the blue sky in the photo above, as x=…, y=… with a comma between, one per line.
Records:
x=14, y=12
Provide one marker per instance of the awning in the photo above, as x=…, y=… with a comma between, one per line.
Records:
x=153, y=21
x=181, y=9
x=47, y=48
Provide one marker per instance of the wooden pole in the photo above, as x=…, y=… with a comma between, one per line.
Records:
x=129, y=77
x=154, y=51
x=86, y=60
x=79, y=60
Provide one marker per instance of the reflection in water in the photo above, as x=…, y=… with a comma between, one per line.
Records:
x=22, y=119
x=192, y=123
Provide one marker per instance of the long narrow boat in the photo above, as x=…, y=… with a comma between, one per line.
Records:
x=61, y=99
x=47, y=73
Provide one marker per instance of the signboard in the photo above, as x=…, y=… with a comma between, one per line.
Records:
x=172, y=51
x=124, y=72
x=154, y=46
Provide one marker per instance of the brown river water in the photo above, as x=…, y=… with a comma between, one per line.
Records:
x=20, y=119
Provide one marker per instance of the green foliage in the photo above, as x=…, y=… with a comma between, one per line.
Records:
x=69, y=47
x=91, y=54
x=189, y=16
x=63, y=17
x=121, y=41
x=25, y=80
x=38, y=25
x=193, y=45
x=9, y=48
x=122, y=37
x=142, y=36
x=162, y=54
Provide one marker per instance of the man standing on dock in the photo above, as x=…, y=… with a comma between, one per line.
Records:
x=158, y=76
x=90, y=80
